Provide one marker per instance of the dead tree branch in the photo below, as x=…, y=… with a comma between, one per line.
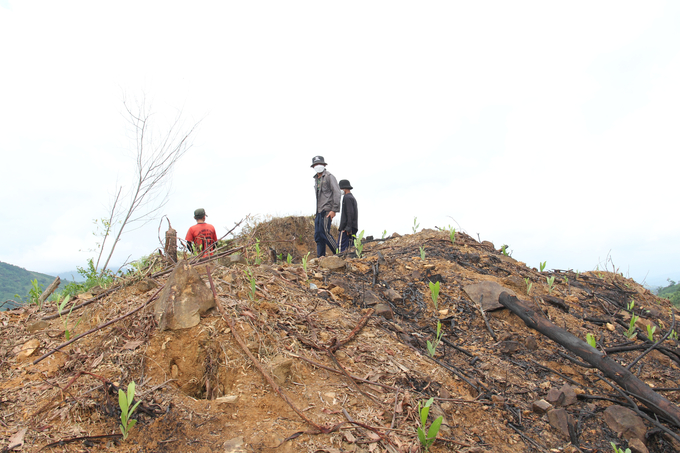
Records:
x=156, y=156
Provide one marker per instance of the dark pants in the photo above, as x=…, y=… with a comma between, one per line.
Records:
x=322, y=234
x=346, y=240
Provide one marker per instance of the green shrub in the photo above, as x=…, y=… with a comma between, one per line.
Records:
x=92, y=278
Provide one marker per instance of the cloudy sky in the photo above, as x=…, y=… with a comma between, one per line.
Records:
x=549, y=126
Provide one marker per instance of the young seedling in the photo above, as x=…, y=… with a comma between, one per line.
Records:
x=432, y=347
x=304, y=261
x=384, y=233
x=630, y=305
x=253, y=284
x=422, y=253
x=674, y=335
x=415, y=225
x=551, y=283
x=427, y=440
x=358, y=244
x=289, y=259
x=542, y=265
x=630, y=333
x=504, y=250
x=619, y=450
x=258, y=256
x=434, y=292
x=279, y=257
x=529, y=285
x=650, y=332
x=124, y=401
x=590, y=338
x=65, y=319
x=566, y=280
x=34, y=293
x=452, y=235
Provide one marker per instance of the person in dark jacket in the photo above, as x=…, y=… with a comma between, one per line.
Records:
x=349, y=217
x=327, y=205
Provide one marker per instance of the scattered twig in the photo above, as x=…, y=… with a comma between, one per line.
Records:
x=99, y=327
x=528, y=439
x=568, y=379
x=486, y=321
x=333, y=370
x=87, y=302
x=63, y=442
x=655, y=345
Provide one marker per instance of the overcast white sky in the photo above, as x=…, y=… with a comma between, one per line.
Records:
x=549, y=126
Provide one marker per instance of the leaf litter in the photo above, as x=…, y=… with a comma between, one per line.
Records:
x=334, y=358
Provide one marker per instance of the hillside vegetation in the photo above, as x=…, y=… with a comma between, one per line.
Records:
x=17, y=280
x=671, y=292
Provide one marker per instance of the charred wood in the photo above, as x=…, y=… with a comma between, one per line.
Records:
x=613, y=370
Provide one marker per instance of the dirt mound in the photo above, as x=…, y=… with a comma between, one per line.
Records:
x=334, y=357
x=281, y=236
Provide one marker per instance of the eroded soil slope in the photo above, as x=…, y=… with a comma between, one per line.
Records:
x=346, y=342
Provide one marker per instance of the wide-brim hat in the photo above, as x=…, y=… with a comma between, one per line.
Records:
x=200, y=212
x=318, y=160
x=344, y=184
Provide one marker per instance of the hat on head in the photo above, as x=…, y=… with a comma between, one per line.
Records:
x=344, y=184
x=318, y=160
x=200, y=212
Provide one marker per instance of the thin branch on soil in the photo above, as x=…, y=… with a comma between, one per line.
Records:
x=533, y=443
x=655, y=345
x=457, y=348
x=63, y=442
x=443, y=365
x=571, y=359
x=143, y=395
x=85, y=303
x=99, y=327
x=486, y=321
x=358, y=379
x=571, y=381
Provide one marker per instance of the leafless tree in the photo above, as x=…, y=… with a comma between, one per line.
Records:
x=156, y=153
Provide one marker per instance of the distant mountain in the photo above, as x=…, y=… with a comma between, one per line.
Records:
x=17, y=280
x=671, y=292
x=71, y=276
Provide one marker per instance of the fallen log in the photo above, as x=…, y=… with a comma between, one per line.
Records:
x=612, y=369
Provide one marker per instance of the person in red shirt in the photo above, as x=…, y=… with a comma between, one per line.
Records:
x=202, y=235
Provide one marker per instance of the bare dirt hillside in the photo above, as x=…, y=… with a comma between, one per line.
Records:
x=334, y=358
